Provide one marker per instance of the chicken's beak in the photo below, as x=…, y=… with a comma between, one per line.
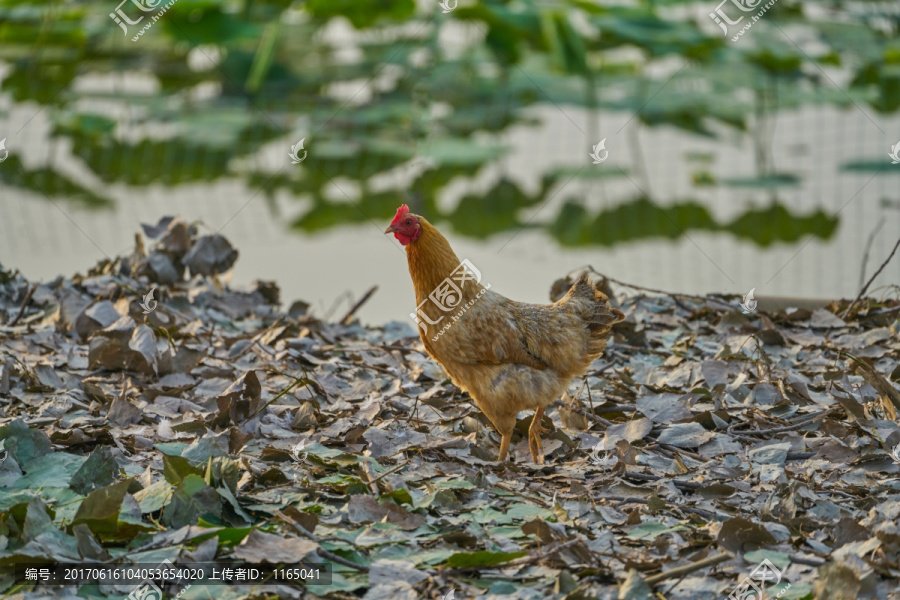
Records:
x=390, y=229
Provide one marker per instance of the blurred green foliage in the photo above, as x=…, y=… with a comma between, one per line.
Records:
x=273, y=68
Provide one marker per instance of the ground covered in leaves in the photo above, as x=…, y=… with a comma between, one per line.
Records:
x=205, y=424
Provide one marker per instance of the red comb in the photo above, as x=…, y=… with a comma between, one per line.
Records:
x=401, y=211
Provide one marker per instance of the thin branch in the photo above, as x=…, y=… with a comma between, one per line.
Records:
x=296, y=382
x=689, y=568
x=673, y=295
x=402, y=465
x=863, y=291
x=708, y=514
x=539, y=555
x=865, y=260
x=367, y=471
x=301, y=530
x=688, y=485
x=358, y=305
x=798, y=425
x=256, y=340
x=812, y=562
x=28, y=295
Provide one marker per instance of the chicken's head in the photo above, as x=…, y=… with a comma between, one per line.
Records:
x=405, y=226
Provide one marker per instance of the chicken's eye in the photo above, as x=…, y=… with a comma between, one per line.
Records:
x=409, y=221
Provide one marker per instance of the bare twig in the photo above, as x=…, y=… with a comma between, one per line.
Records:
x=673, y=295
x=798, y=425
x=391, y=471
x=539, y=555
x=708, y=514
x=296, y=382
x=865, y=288
x=689, y=568
x=862, y=269
x=812, y=562
x=614, y=409
x=590, y=398
x=515, y=489
x=21, y=312
x=300, y=529
x=256, y=340
x=688, y=485
x=678, y=450
x=600, y=409
x=358, y=305
x=367, y=471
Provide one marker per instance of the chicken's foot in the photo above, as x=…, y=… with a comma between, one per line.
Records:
x=534, y=437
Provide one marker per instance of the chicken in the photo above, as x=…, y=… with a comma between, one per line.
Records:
x=509, y=356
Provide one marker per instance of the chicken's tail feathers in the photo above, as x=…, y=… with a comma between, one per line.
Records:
x=601, y=315
x=604, y=319
x=587, y=287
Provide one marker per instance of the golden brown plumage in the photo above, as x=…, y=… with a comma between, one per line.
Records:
x=509, y=356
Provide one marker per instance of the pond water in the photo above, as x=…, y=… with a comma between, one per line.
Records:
x=103, y=141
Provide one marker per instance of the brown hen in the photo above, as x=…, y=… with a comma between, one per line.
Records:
x=509, y=356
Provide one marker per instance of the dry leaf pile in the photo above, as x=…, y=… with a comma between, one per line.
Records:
x=206, y=424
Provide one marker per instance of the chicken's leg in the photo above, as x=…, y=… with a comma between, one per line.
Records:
x=505, y=423
x=534, y=437
x=504, y=446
